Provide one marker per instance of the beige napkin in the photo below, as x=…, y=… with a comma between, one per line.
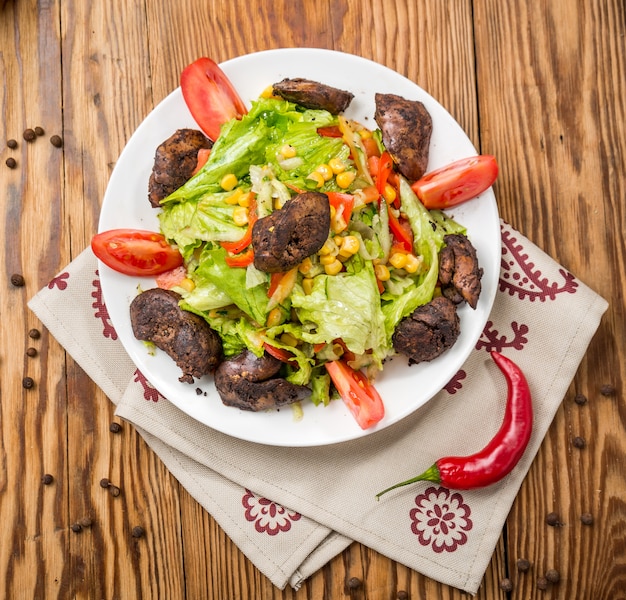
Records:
x=291, y=510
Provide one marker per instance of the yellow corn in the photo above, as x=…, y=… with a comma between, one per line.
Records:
x=307, y=285
x=288, y=339
x=325, y=171
x=234, y=197
x=337, y=165
x=349, y=246
x=327, y=259
x=317, y=177
x=187, y=284
x=240, y=215
x=345, y=179
x=365, y=133
x=329, y=247
x=381, y=272
x=305, y=266
x=413, y=263
x=288, y=151
x=274, y=317
x=244, y=199
x=268, y=92
x=398, y=260
x=333, y=268
x=389, y=193
x=228, y=182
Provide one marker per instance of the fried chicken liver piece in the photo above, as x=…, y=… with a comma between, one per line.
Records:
x=459, y=272
x=312, y=94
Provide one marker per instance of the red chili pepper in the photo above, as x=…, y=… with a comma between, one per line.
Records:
x=501, y=454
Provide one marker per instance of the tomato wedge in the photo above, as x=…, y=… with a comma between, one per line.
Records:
x=210, y=96
x=359, y=395
x=135, y=252
x=457, y=182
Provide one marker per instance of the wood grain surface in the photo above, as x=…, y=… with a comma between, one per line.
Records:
x=541, y=84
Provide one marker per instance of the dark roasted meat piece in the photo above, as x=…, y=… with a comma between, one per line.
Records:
x=406, y=128
x=286, y=237
x=428, y=331
x=187, y=338
x=174, y=162
x=459, y=273
x=249, y=382
x=311, y=94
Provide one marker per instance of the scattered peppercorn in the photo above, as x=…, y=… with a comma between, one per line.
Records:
x=523, y=565
x=12, y=144
x=580, y=399
x=553, y=576
x=115, y=428
x=31, y=352
x=29, y=135
x=17, y=280
x=28, y=383
x=402, y=595
x=506, y=585
x=47, y=479
x=104, y=483
x=11, y=162
x=137, y=531
x=115, y=491
x=586, y=518
x=542, y=583
x=34, y=334
x=579, y=442
x=39, y=131
x=56, y=141
x=354, y=583
x=552, y=519
x=76, y=527
x=86, y=522
x=607, y=389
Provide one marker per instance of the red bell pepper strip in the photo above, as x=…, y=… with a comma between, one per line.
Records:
x=246, y=239
x=401, y=232
x=280, y=353
x=338, y=200
x=330, y=131
x=243, y=259
x=498, y=458
x=203, y=156
x=385, y=167
x=359, y=395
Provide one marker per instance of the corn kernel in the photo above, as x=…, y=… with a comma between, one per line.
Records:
x=337, y=165
x=413, y=263
x=389, y=193
x=349, y=246
x=338, y=223
x=268, y=92
x=327, y=259
x=317, y=178
x=274, y=317
x=187, y=284
x=381, y=272
x=398, y=260
x=329, y=247
x=345, y=179
x=240, y=215
x=234, y=197
x=325, y=171
x=305, y=266
x=307, y=285
x=228, y=182
x=365, y=133
x=245, y=199
x=333, y=268
x=288, y=151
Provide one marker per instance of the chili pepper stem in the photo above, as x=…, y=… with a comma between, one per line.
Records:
x=431, y=474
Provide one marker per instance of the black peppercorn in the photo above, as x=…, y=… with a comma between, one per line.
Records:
x=523, y=565
x=552, y=575
x=39, y=131
x=17, y=280
x=56, y=141
x=580, y=399
x=115, y=428
x=29, y=135
x=115, y=491
x=31, y=352
x=137, y=531
x=104, y=483
x=11, y=162
x=28, y=383
x=542, y=583
x=586, y=519
x=552, y=519
x=12, y=144
x=34, y=334
x=47, y=479
x=506, y=585
x=76, y=527
x=607, y=389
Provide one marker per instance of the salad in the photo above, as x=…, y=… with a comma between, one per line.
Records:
x=330, y=319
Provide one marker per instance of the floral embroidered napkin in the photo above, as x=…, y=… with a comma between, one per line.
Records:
x=292, y=510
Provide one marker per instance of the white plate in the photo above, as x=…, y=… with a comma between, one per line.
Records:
x=403, y=389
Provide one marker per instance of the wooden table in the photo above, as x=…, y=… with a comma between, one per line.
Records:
x=542, y=85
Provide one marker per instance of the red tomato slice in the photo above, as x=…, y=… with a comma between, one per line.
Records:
x=330, y=131
x=171, y=278
x=280, y=353
x=210, y=96
x=357, y=392
x=135, y=252
x=457, y=182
